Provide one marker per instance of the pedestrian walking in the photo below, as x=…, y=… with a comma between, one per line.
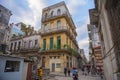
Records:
x=83, y=70
x=101, y=73
x=65, y=71
x=88, y=69
x=75, y=74
x=40, y=73
x=69, y=72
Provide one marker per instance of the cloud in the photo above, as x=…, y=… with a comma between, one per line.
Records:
x=74, y=4
x=36, y=7
x=83, y=44
x=83, y=40
x=29, y=12
x=81, y=30
x=19, y=13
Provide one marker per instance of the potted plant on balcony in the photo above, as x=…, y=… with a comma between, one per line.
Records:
x=65, y=46
x=58, y=47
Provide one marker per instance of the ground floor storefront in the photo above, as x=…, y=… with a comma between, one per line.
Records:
x=56, y=62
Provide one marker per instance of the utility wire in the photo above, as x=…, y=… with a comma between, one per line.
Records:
x=108, y=53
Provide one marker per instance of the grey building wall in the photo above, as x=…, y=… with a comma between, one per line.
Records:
x=4, y=28
x=93, y=35
x=17, y=75
x=108, y=24
x=27, y=42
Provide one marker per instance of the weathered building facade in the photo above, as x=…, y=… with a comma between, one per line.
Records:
x=26, y=45
x=58, y=38
x=95, y=49
x=4, y=28
x=15, y=68
x=106, y=17
x=98, y=58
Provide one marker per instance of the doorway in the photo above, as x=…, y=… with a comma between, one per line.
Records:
x=53, y=67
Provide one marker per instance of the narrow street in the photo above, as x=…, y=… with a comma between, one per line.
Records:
x=60, y=76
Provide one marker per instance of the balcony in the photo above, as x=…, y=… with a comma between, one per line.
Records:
x=29, y=49
x=62, y=15
x=56, y=30
x=49, y=17
x=94, y=16
x=62, y=29
x=64, y=49
x=24, y=49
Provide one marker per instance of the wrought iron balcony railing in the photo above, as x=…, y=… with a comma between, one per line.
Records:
x=58, y=30
x=49, y=17
x=29, y=47
x=26, y=49
x=65, y=48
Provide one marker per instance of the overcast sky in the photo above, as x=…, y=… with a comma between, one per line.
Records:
x=30, y=12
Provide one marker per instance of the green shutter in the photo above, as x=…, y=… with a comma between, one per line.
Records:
x=51, y=43
x=58, y=42
x=44, y=44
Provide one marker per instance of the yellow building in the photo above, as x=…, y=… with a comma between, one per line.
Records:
x=59, y=48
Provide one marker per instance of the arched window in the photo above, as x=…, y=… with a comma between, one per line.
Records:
x=52, y=25
x=52, y=13
x=58, y=12
x=45, y=15
x=58, y=24
x=45, y=27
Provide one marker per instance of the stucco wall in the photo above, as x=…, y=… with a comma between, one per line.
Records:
x=10, y=75
x=24, y=74
x=31, y=38
x=109, y=61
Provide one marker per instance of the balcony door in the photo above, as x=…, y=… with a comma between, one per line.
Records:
x=44, y=44
x=51, y=26
x=45, y=27
x=58, y=42
x=53, y=67
x=19, y=44
x=43, y=62
x=51, y=43
x=30, y=44
x=58, y=24
x=58, y=12
x=11, y=46
x=15, y=46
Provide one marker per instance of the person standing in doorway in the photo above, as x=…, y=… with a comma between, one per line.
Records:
x=40, y=73
x=65, y=71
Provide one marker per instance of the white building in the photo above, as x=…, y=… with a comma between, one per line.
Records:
x=27, y=46
x=93, y=35
x=15, y=68
x=23, y=43
x=5, y=30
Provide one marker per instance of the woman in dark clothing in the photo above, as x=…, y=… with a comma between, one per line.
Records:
x=68, y=72
x=65, y=71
